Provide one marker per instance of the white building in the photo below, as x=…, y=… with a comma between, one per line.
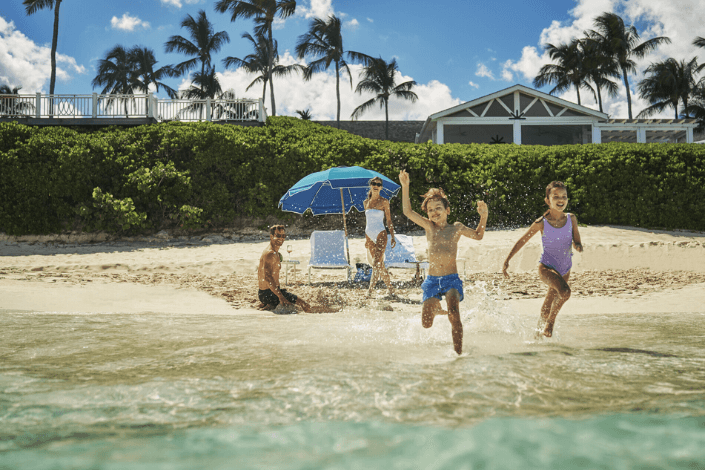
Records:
x=522, y=115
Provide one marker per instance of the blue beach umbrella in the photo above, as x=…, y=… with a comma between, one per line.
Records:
x=334, y=191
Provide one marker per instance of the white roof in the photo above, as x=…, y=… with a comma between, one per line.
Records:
x=527, y=91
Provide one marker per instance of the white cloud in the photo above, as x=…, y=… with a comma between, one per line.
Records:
x=352, y=24
x=128, y=23
x=654, y=18
x=178, y=4
x=315, y=9
x=370, y=20
x=473, y=84
x=318, y=95
x=25, y=64
x=528, y=66
x=483, y=71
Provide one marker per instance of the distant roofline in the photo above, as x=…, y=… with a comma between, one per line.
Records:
x=524, y=89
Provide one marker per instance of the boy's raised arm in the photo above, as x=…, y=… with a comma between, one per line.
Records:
x=479, y=232
x=406, y=202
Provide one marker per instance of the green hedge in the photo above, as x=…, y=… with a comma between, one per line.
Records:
x=204, y=175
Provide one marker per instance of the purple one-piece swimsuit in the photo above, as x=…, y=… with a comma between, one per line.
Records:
x=558, y=246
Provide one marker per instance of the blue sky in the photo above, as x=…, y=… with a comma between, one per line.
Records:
x=455, y=50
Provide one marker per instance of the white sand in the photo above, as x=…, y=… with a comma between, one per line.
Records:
x=614, y=248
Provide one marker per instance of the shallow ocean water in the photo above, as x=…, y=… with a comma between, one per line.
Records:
x=360, y=388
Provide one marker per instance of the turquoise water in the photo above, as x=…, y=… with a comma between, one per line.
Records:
x=356, y=389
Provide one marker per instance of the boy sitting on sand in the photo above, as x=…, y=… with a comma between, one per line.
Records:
x=270, y=294
x=442, y=240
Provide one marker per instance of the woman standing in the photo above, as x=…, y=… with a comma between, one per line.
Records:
x=376, y=210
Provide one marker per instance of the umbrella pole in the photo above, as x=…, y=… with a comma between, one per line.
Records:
x=345, y=225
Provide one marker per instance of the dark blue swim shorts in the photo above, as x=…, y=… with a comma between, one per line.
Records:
x=438, y=286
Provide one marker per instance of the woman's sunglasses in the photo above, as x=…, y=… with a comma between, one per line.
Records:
x=376, y=184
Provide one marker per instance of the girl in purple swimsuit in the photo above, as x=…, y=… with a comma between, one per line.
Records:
x=559, y=232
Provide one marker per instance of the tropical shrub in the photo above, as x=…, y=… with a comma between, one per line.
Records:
x=205, y=175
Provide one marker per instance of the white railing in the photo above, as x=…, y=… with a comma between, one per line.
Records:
x=130, y=106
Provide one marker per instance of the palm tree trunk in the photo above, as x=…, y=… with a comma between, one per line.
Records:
x=337, y=91
x=599, y=96
x=54, y=41
x=629, y=94
x=264, y=91
x=269, y=71
x=203, y=92
x=386, y=119
x=676, y=108
x=577, y=90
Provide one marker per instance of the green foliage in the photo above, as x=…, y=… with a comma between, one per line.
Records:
x=204, y=175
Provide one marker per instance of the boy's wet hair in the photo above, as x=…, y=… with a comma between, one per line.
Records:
x=434, y=194
x=276, y=228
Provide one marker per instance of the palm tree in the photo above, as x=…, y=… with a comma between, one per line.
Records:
x=700, y=42
x=324, y=43
x=144, y=61
x=203, y=86
x=304, y=115
x=696, y=106
x=31, y=7
x=622, y=43
x=13, y=105
x=204, y=42
x=599, y=68
x=379, y=77
x=666, y=84
x=264, y=12
x=258, y=62
x=567, y=72
x=116, y=74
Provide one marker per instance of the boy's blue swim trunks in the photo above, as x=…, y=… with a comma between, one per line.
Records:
x=438, y=286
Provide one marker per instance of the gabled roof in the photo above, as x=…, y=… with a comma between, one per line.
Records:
x=524, y=90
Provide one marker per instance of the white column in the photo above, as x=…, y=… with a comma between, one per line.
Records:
x=439, y=133
x=517, y=132
x=517, y=103
x=38, y=105
x=641, y=135
x=596, y=135
x=689, y=135
x=94, y=105
x=208, y=108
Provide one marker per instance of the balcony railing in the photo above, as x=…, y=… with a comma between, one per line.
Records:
x=97, y=106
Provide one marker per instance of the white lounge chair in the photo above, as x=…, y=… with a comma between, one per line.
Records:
x=328, y=252
x=403, y=255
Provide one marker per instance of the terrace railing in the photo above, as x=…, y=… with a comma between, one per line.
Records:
x=97, y=106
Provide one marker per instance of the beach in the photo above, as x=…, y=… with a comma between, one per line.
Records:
x=622, y=269
x=151, y=351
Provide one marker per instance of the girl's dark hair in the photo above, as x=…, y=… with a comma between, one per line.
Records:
x=553, y=185
x=434, y=194
x=369, y=193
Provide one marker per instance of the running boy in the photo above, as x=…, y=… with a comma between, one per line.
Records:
x=442, y=240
